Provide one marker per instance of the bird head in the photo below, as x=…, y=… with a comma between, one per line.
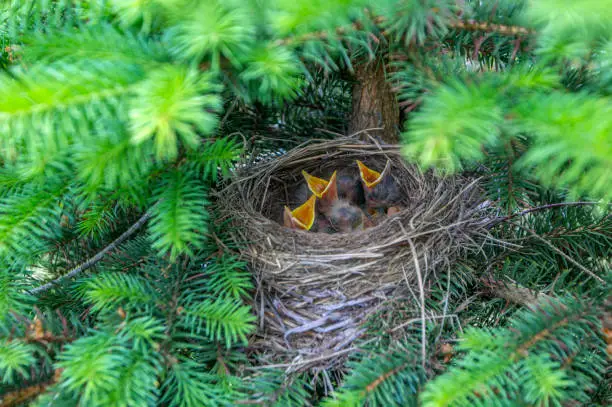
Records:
x=369, y=177
x=350, y=188
x=302, y=217
x=326, y=191
x=344, y=217
x=379, y=187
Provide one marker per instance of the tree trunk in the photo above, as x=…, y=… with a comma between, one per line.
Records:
x=374, y=103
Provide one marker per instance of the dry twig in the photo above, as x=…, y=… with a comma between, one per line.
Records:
x=93, y=260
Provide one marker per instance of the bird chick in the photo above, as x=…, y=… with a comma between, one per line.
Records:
x=379, y=188
x=326, y=191
x=344, y=217
x=297, y=195
x=302, y=217
x=321, y=225
x=341, y=214
x=349, y=187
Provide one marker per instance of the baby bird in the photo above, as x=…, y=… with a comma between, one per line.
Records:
x=302, y=217
x=344, y=217
x=381, y=191
x=341, y=214
x=349, y=187
x=326, y=191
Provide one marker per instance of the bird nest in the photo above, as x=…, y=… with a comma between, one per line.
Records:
x=316, y=290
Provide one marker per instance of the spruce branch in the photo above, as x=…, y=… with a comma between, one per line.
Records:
x=20, y=396
x=565, y=256
x=473, y=25
x=499, y=220
x=513, y=293
x=106, y=86
x=466, y=25
x=373, y=375
x=522, y=357
x=325, y=35
x=93, y=260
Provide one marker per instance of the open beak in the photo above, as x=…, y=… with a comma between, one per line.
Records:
x=326, y=191
x=370, y=177
x=301, y=217
x=393, y=210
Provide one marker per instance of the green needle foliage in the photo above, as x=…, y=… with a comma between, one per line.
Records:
x=185, y=198
x=532, y=362
x=173, y=104
x=390, y=378
x=120, y=119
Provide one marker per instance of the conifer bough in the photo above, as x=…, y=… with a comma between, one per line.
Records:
x=109, y=106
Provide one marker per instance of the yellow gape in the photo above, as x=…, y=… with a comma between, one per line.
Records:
x=326, y=191
x=321, y=188
x=301, y=217
x=370, y=177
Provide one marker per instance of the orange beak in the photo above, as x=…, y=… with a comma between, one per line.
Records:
x=393, y=210
x=326, y=191
x=370, y=177
x=301, y=217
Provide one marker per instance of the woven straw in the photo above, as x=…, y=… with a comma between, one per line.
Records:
x=315, y=290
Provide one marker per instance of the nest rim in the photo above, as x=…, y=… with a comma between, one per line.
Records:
x=305, y=277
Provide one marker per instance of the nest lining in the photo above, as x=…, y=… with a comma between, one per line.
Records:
x=315, y=290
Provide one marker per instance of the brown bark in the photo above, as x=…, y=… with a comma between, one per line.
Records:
x=20, y=396
x=374, y=103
